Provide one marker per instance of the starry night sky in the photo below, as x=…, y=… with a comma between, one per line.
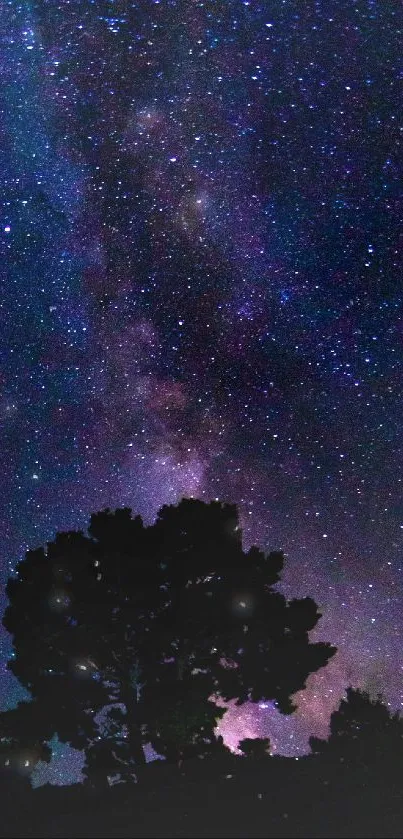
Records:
x=201, y=295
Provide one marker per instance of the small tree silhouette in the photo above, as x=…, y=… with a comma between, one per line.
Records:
x=363, y=732
x=257, y=748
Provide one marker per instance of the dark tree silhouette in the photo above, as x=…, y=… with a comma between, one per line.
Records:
x=363, y=733
x=155, y=622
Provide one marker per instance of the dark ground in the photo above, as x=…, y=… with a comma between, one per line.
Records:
x=273, y=797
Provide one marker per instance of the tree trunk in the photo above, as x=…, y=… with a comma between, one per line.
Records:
x=134, y=739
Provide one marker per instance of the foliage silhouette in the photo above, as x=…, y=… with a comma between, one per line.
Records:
x=145, y=626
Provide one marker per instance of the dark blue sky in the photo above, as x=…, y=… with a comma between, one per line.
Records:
x=201, y=259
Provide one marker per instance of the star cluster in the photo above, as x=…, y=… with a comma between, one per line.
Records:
x=201, y=272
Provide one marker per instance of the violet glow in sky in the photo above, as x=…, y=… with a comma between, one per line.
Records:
x=201, y=294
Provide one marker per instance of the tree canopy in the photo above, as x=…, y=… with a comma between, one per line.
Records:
x=145, y=626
